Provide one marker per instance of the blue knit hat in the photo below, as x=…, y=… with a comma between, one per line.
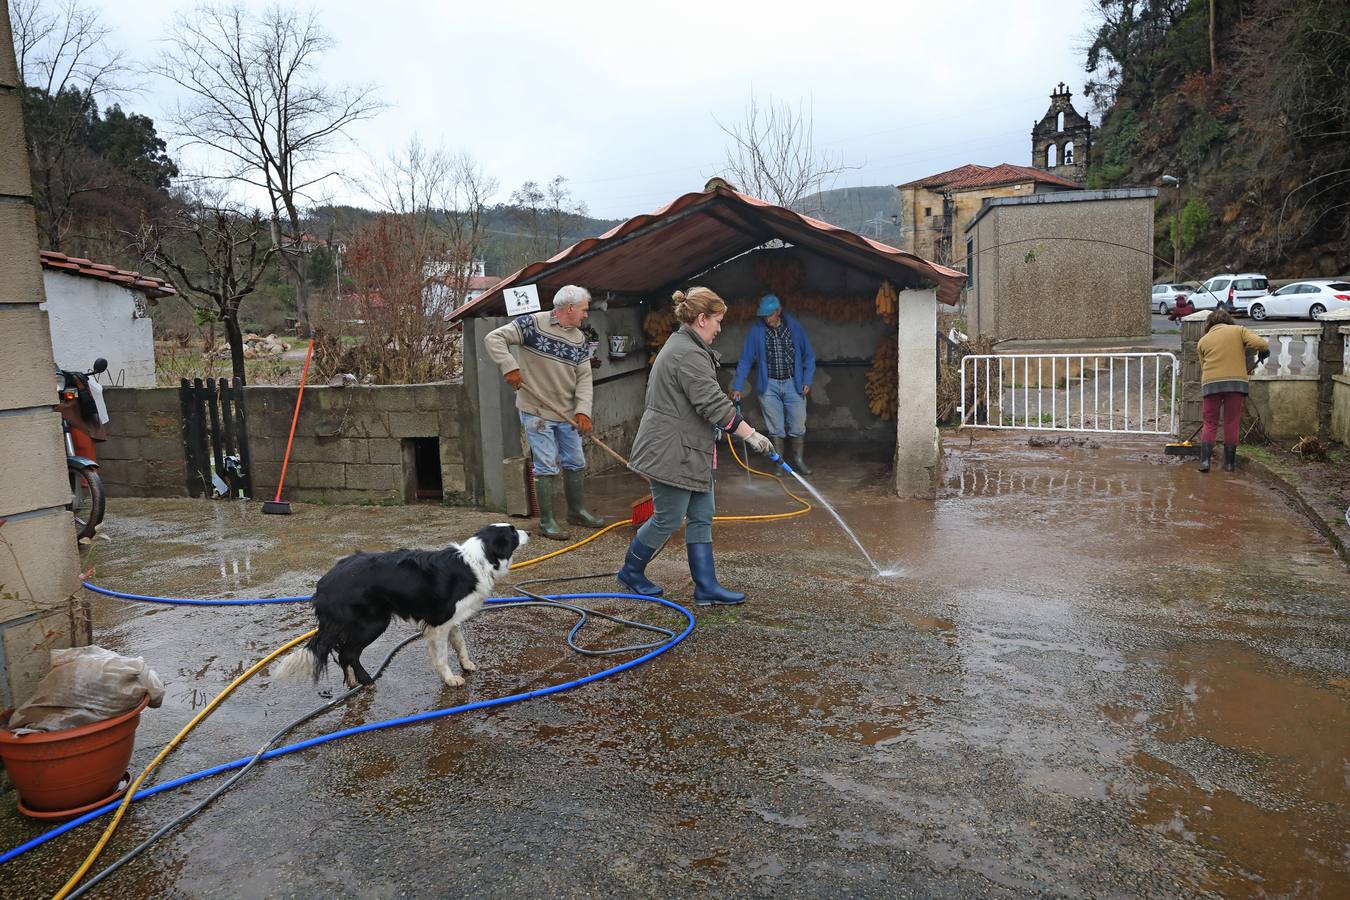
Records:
x=768, y=305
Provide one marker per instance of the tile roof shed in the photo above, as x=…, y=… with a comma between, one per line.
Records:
x=698, y=231
x=74, y=265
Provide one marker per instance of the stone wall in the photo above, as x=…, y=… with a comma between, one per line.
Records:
x=352, y=444
x=39, y=567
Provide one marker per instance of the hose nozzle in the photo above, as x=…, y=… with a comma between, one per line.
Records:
x=782, y=462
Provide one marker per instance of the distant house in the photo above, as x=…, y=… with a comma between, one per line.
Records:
x=445, y=292
x=100, y=310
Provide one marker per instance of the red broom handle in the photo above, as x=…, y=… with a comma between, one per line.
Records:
x=304, y=374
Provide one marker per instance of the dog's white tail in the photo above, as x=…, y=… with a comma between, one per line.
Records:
x=298, y=665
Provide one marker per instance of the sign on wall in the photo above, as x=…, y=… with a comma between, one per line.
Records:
x=522, y=300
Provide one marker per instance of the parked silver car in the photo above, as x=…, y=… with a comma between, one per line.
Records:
x=1234, y=291
x=1165, y=295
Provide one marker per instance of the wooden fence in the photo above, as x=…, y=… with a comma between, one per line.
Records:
x=215, y=438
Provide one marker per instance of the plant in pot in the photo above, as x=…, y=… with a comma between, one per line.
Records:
x=67, y=748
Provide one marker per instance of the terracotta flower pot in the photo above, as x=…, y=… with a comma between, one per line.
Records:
x=57, y=771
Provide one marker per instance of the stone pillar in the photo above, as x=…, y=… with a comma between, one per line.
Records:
x=493, y=405
x=1192, y=329
x=39, y=564
x=917, y=461
x=1330, y=362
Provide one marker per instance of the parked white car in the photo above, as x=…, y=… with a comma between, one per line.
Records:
x=1302, y=300
x=1165, y=295
x=1237, y=291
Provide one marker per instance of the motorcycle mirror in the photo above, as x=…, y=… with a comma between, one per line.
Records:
x=100, y=365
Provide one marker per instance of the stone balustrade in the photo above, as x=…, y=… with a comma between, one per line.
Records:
x=1293, y=352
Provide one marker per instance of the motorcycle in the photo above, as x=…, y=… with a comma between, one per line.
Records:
x=83, y=420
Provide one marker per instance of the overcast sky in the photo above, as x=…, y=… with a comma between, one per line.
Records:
x=623, y=98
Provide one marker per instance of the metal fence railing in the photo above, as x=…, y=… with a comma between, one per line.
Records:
x=1099, y=392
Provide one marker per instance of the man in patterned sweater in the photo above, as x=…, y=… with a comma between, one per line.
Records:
x=552, y=381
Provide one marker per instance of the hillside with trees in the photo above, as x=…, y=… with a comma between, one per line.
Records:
x=1248, y=103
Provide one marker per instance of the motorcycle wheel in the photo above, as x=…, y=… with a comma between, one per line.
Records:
x=87, y=501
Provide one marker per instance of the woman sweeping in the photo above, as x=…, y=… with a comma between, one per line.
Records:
x=1223, y=382
x=676, y=448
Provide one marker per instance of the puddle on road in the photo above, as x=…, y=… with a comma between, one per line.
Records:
x=1294, y=732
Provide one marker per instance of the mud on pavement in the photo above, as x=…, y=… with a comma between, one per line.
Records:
x=1097, y=673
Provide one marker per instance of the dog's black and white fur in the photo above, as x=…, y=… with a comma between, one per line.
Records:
x=438, y=590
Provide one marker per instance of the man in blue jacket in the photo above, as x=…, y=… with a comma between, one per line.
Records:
x=787, y=364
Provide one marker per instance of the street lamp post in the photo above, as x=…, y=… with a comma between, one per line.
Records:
x=1176, y=226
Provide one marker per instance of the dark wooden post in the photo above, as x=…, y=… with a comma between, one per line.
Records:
x=216, y=444
x=232, y=475
x=241, y=435
x=201, y=449
x=195, y=486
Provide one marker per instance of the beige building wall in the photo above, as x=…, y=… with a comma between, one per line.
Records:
x=923, y=233
x=39, y=564
x=920, y=236
x=1076, y=269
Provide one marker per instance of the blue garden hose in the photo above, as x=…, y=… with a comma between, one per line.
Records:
x=183, y=601
x=371, y=726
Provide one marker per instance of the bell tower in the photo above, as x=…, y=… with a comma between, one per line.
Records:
x=1060, y=141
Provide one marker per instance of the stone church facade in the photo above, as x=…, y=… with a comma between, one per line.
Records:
x=1062, y=139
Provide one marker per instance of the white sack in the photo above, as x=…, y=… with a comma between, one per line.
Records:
x=85, y=685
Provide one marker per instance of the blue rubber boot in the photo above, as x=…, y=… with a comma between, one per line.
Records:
x=633, y=575
x=707, y=591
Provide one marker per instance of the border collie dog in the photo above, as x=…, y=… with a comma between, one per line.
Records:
x=439, y=590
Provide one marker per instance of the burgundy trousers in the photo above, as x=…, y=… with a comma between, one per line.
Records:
x=1231, y=404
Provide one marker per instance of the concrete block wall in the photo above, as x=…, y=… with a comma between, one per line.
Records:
x=39, y=563
x=143, y=456
x=351, y=444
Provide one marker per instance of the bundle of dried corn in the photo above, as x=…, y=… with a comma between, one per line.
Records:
x=888, y=303
x=658, y=326
x=883, y=380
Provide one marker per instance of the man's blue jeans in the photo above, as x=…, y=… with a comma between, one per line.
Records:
x=551, y=443
x=781, y=401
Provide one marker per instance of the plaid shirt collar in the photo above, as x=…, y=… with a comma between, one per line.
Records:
x=778, y=351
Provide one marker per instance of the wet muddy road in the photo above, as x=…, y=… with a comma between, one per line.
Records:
x=1096, y=674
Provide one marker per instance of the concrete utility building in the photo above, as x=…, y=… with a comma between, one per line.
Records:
x=1074, y=266
x=742, y=247
x=100, y=310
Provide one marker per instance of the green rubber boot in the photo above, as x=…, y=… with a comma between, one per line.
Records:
x=574, y=486
x=545, y=486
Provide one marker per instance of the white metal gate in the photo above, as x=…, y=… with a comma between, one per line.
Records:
x=1106, y=392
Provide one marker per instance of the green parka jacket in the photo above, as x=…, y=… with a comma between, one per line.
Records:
x=677, y=437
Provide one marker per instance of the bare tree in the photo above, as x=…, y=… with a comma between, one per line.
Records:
x=67, y=69
x=256, y=99
x=772, y=153
x=443, y=196
x=215, y=254
x=545, y=214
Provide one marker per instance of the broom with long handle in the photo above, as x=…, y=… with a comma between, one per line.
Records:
x=277, y=506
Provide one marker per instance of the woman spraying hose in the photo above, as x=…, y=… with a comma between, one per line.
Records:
x=1223, y=382
x=676, y=448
